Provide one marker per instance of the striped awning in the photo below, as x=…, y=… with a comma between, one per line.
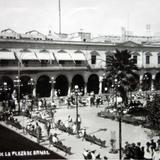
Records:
x=44, y=55
x=26, y=55
x=77, y=56
x=62, y=55
x=7, y=55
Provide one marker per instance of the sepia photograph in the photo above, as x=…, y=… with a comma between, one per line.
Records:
x=79, y=80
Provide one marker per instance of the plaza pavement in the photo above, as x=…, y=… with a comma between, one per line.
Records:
x=100, y=127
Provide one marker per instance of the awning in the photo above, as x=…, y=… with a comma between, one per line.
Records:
x=7, y=55
x=77, y=56
x=95, y=53
x=26, y=55
x=63, y=56
x=135, y=53
x=44, y=55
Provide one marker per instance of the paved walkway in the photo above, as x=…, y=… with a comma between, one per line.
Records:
x=101, y=128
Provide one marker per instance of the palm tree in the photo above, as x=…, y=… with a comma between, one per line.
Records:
x=122, y=67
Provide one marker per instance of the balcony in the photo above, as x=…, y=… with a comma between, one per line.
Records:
x=41, y=66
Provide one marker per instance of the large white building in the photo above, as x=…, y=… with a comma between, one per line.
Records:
x=65, y=62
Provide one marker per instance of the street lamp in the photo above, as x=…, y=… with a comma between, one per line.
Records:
x=120, y=112
x=17, y=82
x=76, y=90
x=32, y=84
x=52, y=81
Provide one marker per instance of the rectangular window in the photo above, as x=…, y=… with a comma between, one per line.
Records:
x=135, y=59
x=93, y=59
x=78, y=62
x=158, y=59
x=61, y=62
x=147, y=59
x=4, y=62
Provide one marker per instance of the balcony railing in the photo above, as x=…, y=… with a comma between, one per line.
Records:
x=37, y=65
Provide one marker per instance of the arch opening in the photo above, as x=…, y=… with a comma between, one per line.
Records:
x=93, y=84
x=6, y=91
x=43, y=87
x=146, y=82
x=78, y=80
x=61, y=85
x=157, y=82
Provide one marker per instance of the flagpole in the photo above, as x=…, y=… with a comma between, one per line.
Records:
x=59, y=16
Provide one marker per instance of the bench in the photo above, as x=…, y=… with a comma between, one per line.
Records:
x=40, y=119
x=61, y=146
x=95, y=140
x=14, y=124
x=33, y=133
x=65, y=129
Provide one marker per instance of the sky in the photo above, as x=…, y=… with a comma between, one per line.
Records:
x=99, y=17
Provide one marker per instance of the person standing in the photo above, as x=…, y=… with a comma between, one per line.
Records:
x=68, y=102
x=52, y=117
x=39, y=104
x=98, y=101
x=48, y=127
x=69, y=121
x=38, y=132
x=45, y=103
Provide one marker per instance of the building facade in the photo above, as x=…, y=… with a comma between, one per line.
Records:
x=60, y=65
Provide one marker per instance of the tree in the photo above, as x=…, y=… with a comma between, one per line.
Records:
x=153, y=108
x=122, y=67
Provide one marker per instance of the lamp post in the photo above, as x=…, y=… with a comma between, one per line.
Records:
x=119, y=109
x=52, y=81
x=76, y=88
x=17, y=82
x=32, y=84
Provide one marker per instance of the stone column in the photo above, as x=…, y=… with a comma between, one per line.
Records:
x=52, y=93
x=69, y=89
x=140, y=83
x=34, y=91
x=100, y=84
x=52, y=82
x=85, y=88
x=33, y=86
x=152, y=82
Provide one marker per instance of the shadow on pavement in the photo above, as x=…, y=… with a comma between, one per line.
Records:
x=16, y=147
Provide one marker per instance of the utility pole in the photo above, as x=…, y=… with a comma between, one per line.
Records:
x=59, y=16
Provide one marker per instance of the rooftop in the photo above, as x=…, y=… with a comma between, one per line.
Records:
x=80, y=37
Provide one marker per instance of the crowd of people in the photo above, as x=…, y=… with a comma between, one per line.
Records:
x=70, y=124
x=93, y=155
x=151, y=151
x=90, y=100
